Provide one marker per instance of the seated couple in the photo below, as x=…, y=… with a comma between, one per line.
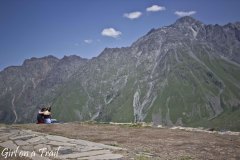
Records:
x=44, y=116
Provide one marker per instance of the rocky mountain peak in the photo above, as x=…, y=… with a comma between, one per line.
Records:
x=233, y=25
x=35, y=60
x=186, y=21
x=72, y=58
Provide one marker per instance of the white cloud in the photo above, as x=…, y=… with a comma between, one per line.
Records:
x=155, y=8
x=182, y=13
x=132, y=15
x=88, y=41
x=111, y=32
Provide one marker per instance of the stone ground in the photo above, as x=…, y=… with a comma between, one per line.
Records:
x=138, y=142
x=147, y=143
x=16, y=143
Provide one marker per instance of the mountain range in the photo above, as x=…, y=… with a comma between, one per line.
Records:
x=187, y=74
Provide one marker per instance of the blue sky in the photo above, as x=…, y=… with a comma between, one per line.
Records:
x=37, y=28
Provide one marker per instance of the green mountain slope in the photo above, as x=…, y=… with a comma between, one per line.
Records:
x=185, y=74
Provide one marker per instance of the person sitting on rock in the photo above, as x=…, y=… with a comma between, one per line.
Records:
x=47, y=117
x=44, y=116
x=40, y=116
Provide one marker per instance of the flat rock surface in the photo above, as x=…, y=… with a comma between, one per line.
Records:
x=121, y=141
x=157, y=143
x=41, y=146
